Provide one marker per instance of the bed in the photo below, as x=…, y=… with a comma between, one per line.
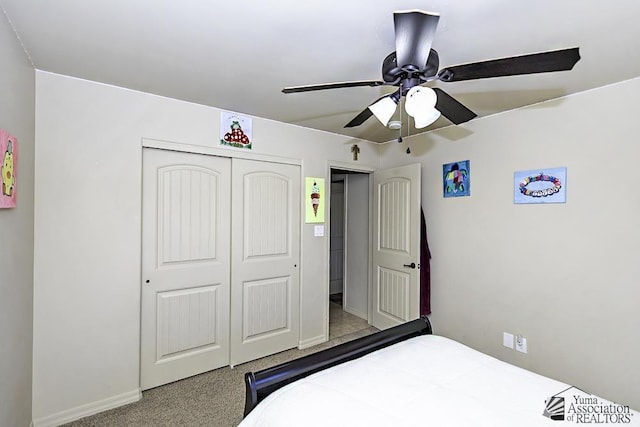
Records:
x=407, y=376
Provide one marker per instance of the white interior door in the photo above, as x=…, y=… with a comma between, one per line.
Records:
x=265, y=300
x=185, y=265
x=396, y=252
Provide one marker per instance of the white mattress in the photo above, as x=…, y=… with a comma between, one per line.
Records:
x=429, y=381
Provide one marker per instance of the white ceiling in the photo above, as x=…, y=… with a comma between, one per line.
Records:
x=239, y=55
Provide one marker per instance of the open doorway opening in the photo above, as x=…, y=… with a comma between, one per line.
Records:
x=349, y=252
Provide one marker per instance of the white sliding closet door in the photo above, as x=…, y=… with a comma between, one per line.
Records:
x=265, y=289
x=185, y=265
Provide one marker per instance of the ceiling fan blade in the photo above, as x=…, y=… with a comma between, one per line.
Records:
x=414, y=34
x=309, y=88
x=366, y=113
x=360, y=118
x=451, y=108
x=543, y=62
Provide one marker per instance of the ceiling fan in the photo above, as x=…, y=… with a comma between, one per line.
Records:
x=414, y=62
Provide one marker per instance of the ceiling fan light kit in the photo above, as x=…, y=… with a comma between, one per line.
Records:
x=394, y=124
x=423, y=120
x=420, y=104
x=383, y=109
x=414, y=63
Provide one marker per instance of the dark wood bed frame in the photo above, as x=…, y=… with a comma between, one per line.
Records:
x=262, y=383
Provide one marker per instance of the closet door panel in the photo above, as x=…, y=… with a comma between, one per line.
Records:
x=265, y=259
x=185, y=265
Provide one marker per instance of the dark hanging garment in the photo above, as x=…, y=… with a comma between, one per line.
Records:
x=425, y=270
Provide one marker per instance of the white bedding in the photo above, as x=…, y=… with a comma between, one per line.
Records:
x=429, y=381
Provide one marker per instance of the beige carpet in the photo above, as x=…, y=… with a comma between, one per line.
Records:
x=214, y=398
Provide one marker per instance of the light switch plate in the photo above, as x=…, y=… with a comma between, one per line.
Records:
x=507, y=340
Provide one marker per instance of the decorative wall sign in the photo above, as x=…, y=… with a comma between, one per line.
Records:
x=236, y=130
x=355, y=150
x=9, y=159
x=540, y=186
x=314, y=199
x=456, y=179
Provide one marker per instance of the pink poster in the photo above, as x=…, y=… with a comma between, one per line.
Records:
x=8, y=163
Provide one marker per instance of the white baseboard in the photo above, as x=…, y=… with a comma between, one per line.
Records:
x=88, y=409
x=311, y=342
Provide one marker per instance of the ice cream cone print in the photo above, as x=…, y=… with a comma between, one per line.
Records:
x=315, y=198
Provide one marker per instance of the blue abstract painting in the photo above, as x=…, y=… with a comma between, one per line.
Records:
x=456, y=179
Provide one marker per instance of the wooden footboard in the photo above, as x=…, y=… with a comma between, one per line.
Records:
x=262, y=383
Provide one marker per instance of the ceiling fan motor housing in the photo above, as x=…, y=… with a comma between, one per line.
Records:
x=390, y=70
x=409, y=75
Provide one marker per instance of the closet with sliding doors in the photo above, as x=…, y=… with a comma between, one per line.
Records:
x=220, y=262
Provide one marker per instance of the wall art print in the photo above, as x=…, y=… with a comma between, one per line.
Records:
x=456, y=179
x=540, y=186
x=9, y=159
x=315, y=197
x=236, y=130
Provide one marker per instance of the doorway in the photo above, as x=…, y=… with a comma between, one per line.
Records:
x=381, y=263
x=349, y=252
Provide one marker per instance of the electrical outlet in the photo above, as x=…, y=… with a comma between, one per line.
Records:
x=507, y=340
x=521, y=344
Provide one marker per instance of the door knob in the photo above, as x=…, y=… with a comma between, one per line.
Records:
x=412, y=265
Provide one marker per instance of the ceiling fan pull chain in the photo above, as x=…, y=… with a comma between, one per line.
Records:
x=400, y=115
x=408, y=128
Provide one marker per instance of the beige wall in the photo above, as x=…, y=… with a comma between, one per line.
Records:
x=562, y=275
x=565, y=275
x=88, y=222
x=17, y=97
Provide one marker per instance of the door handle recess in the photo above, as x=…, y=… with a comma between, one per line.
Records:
x=412, y=265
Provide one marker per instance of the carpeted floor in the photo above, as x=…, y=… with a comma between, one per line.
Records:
x=214, y=398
